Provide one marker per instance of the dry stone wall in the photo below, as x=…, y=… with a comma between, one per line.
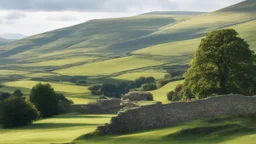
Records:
x=159, y=115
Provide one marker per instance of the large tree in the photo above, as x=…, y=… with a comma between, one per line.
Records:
x=223, y=64
x=17, y=112
x=45, y=99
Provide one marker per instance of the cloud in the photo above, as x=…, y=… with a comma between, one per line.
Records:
x=14, y=16
x=62, y=18
x=109, y=5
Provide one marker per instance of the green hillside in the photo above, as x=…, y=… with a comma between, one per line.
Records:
x=109, y=50
x=59, y=129
x=94, y=35
x=5, y=41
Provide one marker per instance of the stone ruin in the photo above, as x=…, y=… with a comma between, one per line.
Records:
x=163, y=115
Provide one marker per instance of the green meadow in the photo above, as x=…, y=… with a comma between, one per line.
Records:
x=116, y=50
x=59, y=129
x=222, y=130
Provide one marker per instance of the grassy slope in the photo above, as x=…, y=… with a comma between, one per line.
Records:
x=223, y=130
x=161, y=94
x=5, y=41
x=110, y=66
x=93, y=35
x=60, y=129
x=78, y=94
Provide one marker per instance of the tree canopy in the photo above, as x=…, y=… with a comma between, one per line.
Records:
x=45, y=99
x=223, y=64
x=17, y=112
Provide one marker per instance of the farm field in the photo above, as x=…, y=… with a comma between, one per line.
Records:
x=59, y=129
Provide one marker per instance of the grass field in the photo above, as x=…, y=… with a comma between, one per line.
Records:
x=161, y=94
x=222, y=130
x=110, y=66
x=60, y=129
x=78, y=94
x=60, y=62
x=61, y=87
x=157, y=74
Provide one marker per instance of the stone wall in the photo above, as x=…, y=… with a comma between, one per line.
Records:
x=159, y=115
x=100, y=107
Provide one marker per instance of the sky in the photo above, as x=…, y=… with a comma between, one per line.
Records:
x=30, y=17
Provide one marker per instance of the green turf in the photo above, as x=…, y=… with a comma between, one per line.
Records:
x=59, y=62
x=110, y=66
x=157, y=74
x=78, y=94
x=222, y=130
x=61, y=87
x=60, y=129
x=161, y=94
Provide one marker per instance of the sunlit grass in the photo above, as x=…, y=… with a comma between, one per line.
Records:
x=110, y=66
x=157, y=74
x=161, y=94
x=60, y=129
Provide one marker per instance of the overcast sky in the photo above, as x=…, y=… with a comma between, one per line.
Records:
x=31, y=17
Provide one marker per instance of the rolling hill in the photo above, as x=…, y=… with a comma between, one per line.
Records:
x=5, y=41
x=121, y=48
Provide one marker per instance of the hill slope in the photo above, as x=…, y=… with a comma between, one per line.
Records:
x=94, y=35
x=110, y=49
x=5, y=41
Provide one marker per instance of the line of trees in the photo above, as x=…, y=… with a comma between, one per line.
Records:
x=117, y=90
x=42, y=102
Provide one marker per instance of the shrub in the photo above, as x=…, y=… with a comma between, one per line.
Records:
x=140, y=81
x=4, y=96
x=148, y=87
x=167, y=76
x=95, y=89
x=45, y=99
x=173, y=96
x=178, y=88
x=17, y=112
x=64, y=104
x=110, y=90
x=17, y=93
x=170, y=95
x=150, y=80
x=150, y=97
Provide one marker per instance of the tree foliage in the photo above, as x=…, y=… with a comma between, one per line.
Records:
x=17, y=112
x=148, y=87
x=45, y=99
x=222, y=64
x=18, y=93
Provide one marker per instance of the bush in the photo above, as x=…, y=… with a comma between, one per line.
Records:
x=95, y=89
x=110, y=90
x=45, y=99
x=17, y=93
x=148, y=87
x=178, y=88
x=4, y=96
x=170, y=95
x=173, y=96
x=150, y=80
x=140, y=81
x=150, y=97
x=64, y=104
x=17, y=112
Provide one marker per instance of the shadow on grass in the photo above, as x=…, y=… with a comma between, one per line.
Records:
x=48, y=126
x=71, y=116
